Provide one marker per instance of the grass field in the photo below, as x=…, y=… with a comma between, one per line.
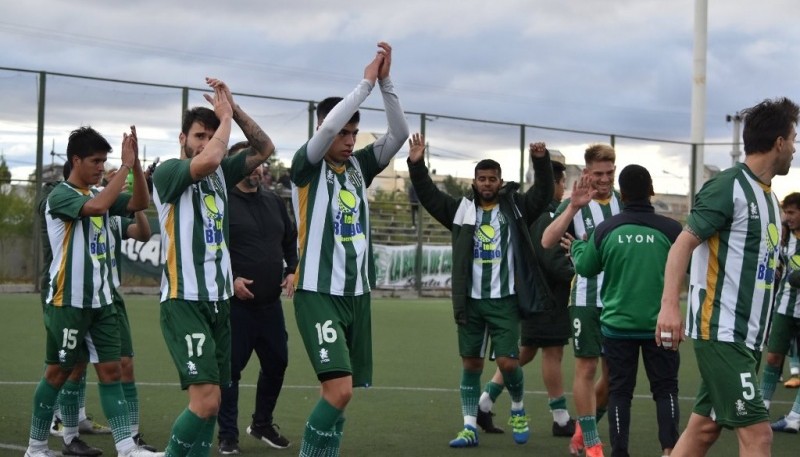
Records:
x=413, y=410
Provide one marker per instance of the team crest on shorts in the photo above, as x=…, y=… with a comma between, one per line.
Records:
x=323, y=356
x=741, y=410
x=191, y=368
x=62, y=356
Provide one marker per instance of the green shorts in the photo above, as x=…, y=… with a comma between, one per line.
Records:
x=125, y=339
x=198, y=337
x=337, y=333
x=587, y=340
x=729, y=389
x=75, y=333
x=497, y=318
x=784, y=329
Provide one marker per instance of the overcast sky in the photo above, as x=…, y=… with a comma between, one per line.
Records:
x=609, y=66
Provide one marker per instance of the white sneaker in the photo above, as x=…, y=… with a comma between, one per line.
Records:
x=39, y=453
x=786, y=425
x=139, y=452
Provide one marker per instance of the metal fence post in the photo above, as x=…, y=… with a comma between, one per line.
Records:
x=37, y=248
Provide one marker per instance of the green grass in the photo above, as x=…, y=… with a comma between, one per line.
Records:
x=412, y=410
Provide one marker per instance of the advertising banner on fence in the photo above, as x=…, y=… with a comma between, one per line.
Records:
x=394, y=265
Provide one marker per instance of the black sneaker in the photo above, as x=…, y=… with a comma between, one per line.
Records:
x=486, y=422
x=566, y=430
x=269, y=434
x=228, y=447
x=79, y=447
x=137, y=438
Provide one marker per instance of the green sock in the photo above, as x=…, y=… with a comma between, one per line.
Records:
x=599, y=413
x=205, y=439
x=188, y=427
x=768, y=381
x=589, y=429
x=558, y=403
x=43, y=400
x=116, y=410
x=68, y=403
x=132, y=397
x=470, y=392
x=494, y=390
x=320, y=436
x=338, y=430
x=515, y=383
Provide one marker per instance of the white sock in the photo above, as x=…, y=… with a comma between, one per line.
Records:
x=485, y=403
x=70, y=433
x=792, y=416
x=125, y=446
x=82, y=415
x=472, y=421
x=517, y=406
x=561, y=416
x=767, y=403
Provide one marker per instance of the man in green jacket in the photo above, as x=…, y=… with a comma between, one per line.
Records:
x=549, y=330
x=631, y=249
x=495, y=274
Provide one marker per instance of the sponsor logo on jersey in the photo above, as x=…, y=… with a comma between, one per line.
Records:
x=346, y=225
x=97, y=239
x=485, y=249
x=213, y=217
x=766, y=266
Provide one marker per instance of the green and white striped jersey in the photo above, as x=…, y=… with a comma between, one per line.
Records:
x=733, y=271
x=788, y=298
x=492, y=256
x=117, y=228
x=80, y=272
x=586, y=291
x=332, y=214
x=193, y=218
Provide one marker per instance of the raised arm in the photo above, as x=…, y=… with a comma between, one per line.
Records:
x=208, y=160
x=261, y=146
x=441, y=206
x=140, y=199
x=582, y=194
x=140, y=229
x=539, y=196
x=101, y=203
x=387, y=146
x=341, y=113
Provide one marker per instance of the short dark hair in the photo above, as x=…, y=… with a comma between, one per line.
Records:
x=488, y=164
x=635, y=183
x=200, y=114
x=85, y=141
x=558, y=170
x=767, y=121
x=237, y=148
x=325, y=106
x=66, y=170
x=792, y=199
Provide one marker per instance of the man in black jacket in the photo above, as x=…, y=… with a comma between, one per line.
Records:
x=263, y=238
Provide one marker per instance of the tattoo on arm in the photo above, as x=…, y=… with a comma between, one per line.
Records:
x=686, y=228
x=261, y=146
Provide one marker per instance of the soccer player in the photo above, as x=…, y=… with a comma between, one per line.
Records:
x=786, y=320
x=732, y=237
x=120, y=228
x=495, y=274
x=79, y=316
x=336, y=271
x=549, y=330
x=593, y=200
x=73, y=445
x=191, y=198
x=631, y=250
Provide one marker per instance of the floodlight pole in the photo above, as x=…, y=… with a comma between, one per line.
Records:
x=737, y=124
x=699, y=91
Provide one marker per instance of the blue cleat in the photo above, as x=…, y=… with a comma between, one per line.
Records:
x=785, y=425
x=519, y=426
x=466, y=438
